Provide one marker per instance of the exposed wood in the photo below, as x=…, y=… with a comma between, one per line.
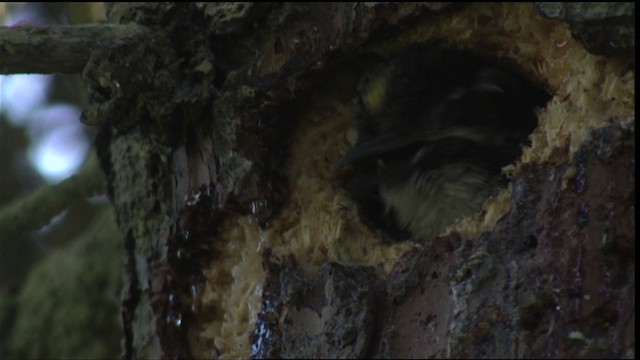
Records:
x=219, y=129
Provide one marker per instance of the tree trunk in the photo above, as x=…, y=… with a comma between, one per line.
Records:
x=220, y=132
x=220, y=127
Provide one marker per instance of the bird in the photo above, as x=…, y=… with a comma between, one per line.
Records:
x=435, y=128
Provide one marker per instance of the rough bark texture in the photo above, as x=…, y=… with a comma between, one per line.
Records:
x=331, y=316
x=63, y=49
x=201, y=102
x=554, y=279
x=154, y=94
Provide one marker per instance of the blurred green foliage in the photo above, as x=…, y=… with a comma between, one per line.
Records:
x=59, y=287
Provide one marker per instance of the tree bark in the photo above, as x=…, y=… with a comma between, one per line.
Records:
x=62, y=49
x=211, y=116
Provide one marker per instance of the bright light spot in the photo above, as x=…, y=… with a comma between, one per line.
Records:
x=60, y=152
x=21, y=94
x=49, y=117
x=20, y=14
x=58, y=143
